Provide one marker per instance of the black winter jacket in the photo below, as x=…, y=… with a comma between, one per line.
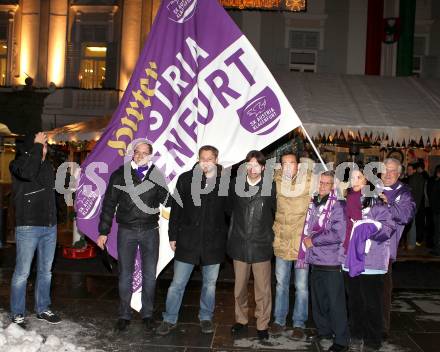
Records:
x=250, y=234
x=434, y=194
x=128, y=214
x=33, y=183
x=199, y=230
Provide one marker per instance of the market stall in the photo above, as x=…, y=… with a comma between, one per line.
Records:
x=375, y=116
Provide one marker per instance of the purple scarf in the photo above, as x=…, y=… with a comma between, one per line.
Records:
x=355, y=261
x=140, y=171
x=319, y=225
x=391, y=192
x=353, y=211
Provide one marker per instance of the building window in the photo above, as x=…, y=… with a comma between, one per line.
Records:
x=417, y=68
x=303, y=49
x=92, y=71
x=3, y=62
x=3, y=54
x=303, y=60
x=94, y=33
x=302, y=39
x=419, y=53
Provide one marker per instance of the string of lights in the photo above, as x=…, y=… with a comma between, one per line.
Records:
x=283, y=5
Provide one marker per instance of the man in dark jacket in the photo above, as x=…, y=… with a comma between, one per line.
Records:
x=434, y=200
x=33, y=183
x=197, y=233
x=250, y=241
x=137, y=220
x=416, y=182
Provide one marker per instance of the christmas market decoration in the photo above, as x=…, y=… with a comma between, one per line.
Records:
x=278, y=5
x=346, y=137
x=391, y=30
x=72, y=252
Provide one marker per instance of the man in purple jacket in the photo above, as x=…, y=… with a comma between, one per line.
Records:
x=397, y=196
x=323, y=235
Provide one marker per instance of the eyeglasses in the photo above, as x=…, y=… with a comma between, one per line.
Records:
x=138, y=153
x=391, y=171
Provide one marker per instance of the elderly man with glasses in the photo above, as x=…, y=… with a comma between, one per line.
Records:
x=321, y=240
x=397, y=196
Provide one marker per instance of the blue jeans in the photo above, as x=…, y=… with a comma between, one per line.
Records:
x=182, y=273
x=128, y=241
x=28, y=239
x=283, y=269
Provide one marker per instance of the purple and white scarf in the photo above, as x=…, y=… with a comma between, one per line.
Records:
x=324, y=216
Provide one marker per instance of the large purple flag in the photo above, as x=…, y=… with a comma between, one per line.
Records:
x=198, y=81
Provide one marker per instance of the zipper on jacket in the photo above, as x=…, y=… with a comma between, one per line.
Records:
x=28, y=194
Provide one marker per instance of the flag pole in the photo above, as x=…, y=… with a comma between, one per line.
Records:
x=314, y=148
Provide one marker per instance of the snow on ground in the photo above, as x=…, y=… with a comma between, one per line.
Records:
x=42, y=337
x=274, y=343
x=402, y=306
x=428, y=318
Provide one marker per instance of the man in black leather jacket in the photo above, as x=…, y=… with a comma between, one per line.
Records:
x=197, y=233
x=137, y=217
x=250, y=242
x=33, y=182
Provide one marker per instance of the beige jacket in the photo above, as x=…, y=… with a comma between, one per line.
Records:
x=291, y=211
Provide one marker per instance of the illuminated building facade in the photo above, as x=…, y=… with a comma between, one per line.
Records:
x=84, y=51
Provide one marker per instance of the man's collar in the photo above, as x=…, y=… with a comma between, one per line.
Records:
x=317, y=200
x=393, y=187
x=135, y=166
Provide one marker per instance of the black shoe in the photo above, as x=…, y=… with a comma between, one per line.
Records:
x=19, y=320
x=206, y=326
x=276, y=329
x=337, y=348
x=263, y=334
x=165, y=328
x=149, y=324
x=49, y=316
x=317, y=338
x=370, y=349
x=237, y=327
x=355, y=345
x=298, y=333
x=122, y=325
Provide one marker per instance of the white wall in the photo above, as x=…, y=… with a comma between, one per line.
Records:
x=357, y=36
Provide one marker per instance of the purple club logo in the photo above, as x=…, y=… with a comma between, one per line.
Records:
x=260, y=115
x=181, y=10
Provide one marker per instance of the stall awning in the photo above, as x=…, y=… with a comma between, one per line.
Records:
x=5, y=131
x=402, y=107
x=80, y=131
